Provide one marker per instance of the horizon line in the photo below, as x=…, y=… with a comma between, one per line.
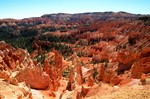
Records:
x=73, y=14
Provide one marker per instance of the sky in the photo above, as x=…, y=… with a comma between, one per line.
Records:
x=19, y=9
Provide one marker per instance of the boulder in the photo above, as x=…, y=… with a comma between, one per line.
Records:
x=34, y=77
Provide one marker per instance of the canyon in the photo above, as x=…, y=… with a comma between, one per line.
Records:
x=98, y=55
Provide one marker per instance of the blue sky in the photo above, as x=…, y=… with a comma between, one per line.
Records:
x=19, y=9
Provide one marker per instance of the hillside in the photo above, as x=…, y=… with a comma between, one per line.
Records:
x=91, y=16
x=102, y=55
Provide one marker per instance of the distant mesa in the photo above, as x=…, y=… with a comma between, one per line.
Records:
x=100, y=15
